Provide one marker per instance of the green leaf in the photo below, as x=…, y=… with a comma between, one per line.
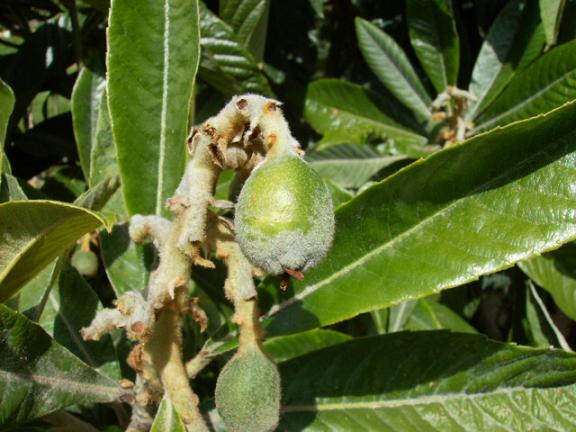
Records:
x=153, y=54
x=338, y=193
x=390, y=64
x=243, y=16
x=284, y=348
x=546, y=84
x=86, y=101
x=103, y=163
x=38, y=376
x=6, y=107
x=346, y=112
x=98, y=196
x=10, y=189
x=545, y=272
x=551, y=13
x=540, y=325
x=429, y=381
x=226, y=64
x=463, y=212
x=515, y=39
x=399, y=314
x=33, y=233
x=167, y=419
x=349, y=165
x=64, y=316
x=428, y=314
x=123, y=260
x=435, y=40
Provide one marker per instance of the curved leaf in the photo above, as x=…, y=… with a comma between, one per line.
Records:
x=551, y=13
x=465, y=211
x=226, y=64
x=33, y=233
x=515, y=39
x=6, y=107
x=429, y=314
x=544, y=271
x=243, y=16
x=153, y=54
x=346, y=112
x=38, y=376
x=429, y=381
x=435, y=40
x=546, y=84
x=349, y=165
x=103, y=163
x=86, y=100
x=390, y=64
x=284, y=348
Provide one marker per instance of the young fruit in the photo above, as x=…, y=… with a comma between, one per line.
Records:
x=85, y=262
x=248, y=392
x=284, y=217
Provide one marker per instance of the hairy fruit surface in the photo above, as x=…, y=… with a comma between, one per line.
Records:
x=284, y=217
x=248, y=392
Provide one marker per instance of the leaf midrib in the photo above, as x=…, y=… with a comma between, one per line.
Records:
x=397, y=403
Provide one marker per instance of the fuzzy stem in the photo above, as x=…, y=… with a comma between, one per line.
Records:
x=164, y=349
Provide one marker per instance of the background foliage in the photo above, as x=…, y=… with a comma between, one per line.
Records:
x=448, y=301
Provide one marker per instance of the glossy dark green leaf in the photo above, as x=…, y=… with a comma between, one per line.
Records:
x=515, y=39
x=349, y=165
x=33, y=233
x=551, y=13
x=86, y=101
x=167, y=419
x=38, y=376
x=392, y=67
x=435, y=40
x=562, y=286
x=345, y=112
x=71, y=305
x=226, y=63
x=546, y=84
x=243, y=16
x=6, y=106
x=463, y=212
x=153, y=54
x=429, y=381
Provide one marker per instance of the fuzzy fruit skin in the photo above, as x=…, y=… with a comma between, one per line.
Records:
x=284, y=216
x=248, y=392
x=85, y=262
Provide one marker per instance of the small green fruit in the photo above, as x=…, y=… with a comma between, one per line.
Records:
x=248, y=392
x=284, y=218
x=85, y=262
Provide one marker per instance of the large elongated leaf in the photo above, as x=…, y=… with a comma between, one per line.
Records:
x=429, y=381
x=544, y=271
x=551, y=13
x=103, y=163
x=284, y=348
x=514, y=41
x=152, y=61
x=243, y=16
x=429, y=314
x=6, y=106
x=227, y=65
x=38, y=376
x=546, y=84
x=346, y=112
x=463, y=212
x=349, y=165
x=33, y=233
x=390, y=64
x=434, y=38
x=86, y=102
